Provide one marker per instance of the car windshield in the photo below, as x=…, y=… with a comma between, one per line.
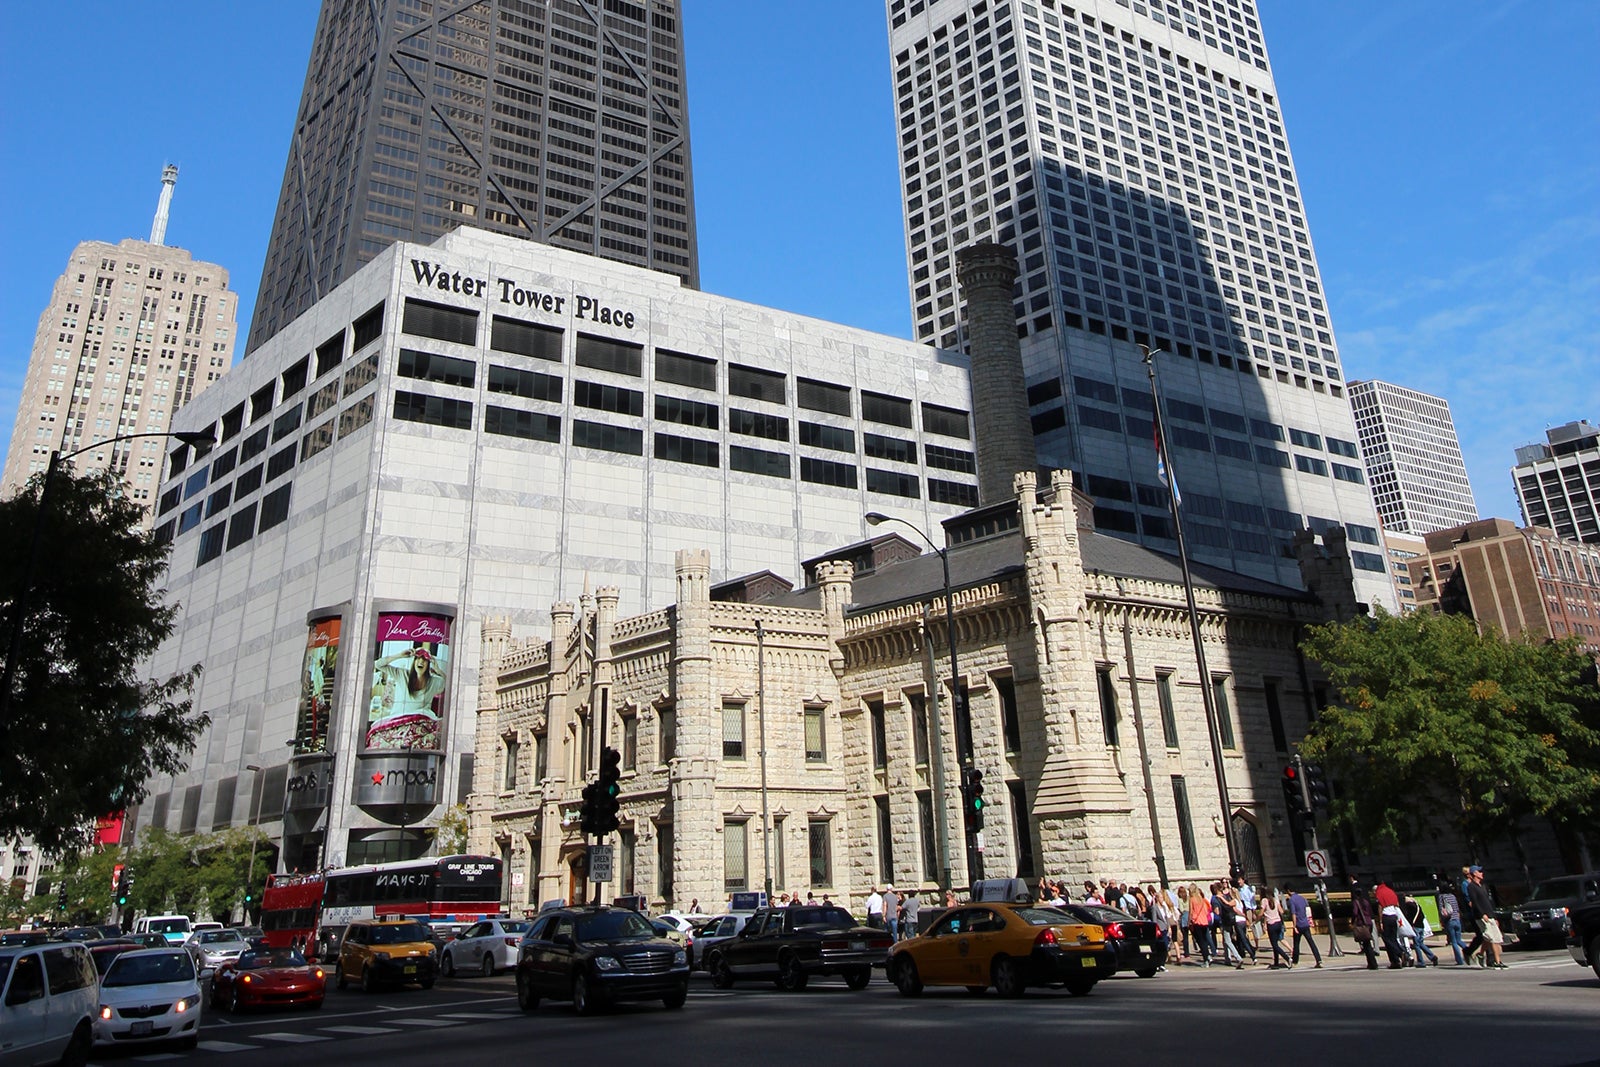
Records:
x=819, y=917
x=220, y=937
x=1041, y=916
x=398, y=934
x=272, y=957
x=149, y=970
x=613, y=926
x=1556, y=889
x=168, y=926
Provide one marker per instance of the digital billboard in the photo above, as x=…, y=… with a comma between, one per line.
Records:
x=410, y=667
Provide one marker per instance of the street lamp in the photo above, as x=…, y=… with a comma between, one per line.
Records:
x=875, y=518
x=255, y=821
x=20, y=606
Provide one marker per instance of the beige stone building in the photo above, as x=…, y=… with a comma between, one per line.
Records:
x=1077, y=669
x=132, y=332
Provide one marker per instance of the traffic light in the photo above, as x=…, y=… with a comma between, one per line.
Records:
x=609, y=791
x=1292, y=794
x=61, y=898
x=249, y=895
x=972, y=796
x=1316, y=780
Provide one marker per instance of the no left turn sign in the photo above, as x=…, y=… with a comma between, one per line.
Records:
x=1317, y=865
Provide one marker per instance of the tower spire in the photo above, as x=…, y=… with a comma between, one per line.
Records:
x=158, y=229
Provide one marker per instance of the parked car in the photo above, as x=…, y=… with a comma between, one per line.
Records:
x=149, y=995
x=717, y=931
x=487, y=947
x=378, y=952
x=1542, y=918
x=599, y=955
x=1583, y=935
x=49, y=994
x=105, y=950
x=212, y=948
x=790, y=945
x=175, y=928
x=1008, y=946
x=272, y=977
x=1139, y=944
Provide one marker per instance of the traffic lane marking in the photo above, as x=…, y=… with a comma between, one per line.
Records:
x=360, y=1031
x=225, y=1046
x=292, y=1038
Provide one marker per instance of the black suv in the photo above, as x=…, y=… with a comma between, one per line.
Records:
x=1542, y=919
x=791, y=944
x=594, y=956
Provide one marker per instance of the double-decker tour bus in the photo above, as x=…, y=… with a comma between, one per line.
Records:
x=312, y=910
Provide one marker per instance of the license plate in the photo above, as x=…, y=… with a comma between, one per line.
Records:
x=411, y=968
x=1535, y=925
x=1090, y=961
x=858, y=946
x=141, y=1028
x=1145, y=949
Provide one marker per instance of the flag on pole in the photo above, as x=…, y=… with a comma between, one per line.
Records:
x=1166, y=476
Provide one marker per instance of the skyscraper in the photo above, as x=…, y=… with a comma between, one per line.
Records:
x=1413, y=459
x=132, y=332
x=554, y=120
x=1558, y=483
x=1133, y=156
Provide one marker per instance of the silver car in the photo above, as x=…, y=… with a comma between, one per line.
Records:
x=486, y=947
x=210, y=949
x=714, y=933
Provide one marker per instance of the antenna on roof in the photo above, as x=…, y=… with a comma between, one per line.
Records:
x=158, y=229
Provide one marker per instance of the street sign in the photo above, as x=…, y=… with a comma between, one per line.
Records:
x=516, y=879
x=1317, y=865
x=599, y=863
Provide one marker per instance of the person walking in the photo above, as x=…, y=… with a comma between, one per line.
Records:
x=1450, y=918
x=1361, y=926
x=875, y=909
x=1242, y=918
x=1272, y=916
x=1223, y=925
x=1249, y=902
x=891, y=912
x=909, y=909
x=1183, y=923
x=1388, y=904
x=1411, y=912
x=1488, y=925
x=1200, y=923
x=1300, y=910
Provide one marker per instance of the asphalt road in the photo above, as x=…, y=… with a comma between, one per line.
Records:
x=1544, y=1011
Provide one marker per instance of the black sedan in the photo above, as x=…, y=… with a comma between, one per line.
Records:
x=789, y=945
x=1140, y=945
x=594, y=956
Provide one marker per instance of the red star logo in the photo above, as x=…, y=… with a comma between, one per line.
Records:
x=377, y=777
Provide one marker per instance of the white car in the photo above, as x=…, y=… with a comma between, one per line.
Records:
x=149, y=995
x=714, y=933
x=210, y=949
x=486, y=947
x=47, y=1004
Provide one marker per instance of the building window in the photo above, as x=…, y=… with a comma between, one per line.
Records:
x=880, y=734
x=1169, y=713
x=512, y=748
x=626, y=849
x=664, y=860
x=619, y=357
x=816, y=739
x=1010, y=722
x=733, y=729
x=667, y=735
x=930, y=836
x=1180, y=802
x=1219, y=692
x=919, y=727
x=1280, y=739
x=1108, y=706
x=780, y=870
x=821, y=848
x=540, y=748
x=885, y=842
x=735, y=852
x=1022, y=828
x=630, y=742
x=441, y=322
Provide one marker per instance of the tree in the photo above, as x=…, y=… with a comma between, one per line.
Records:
x=450, y=836
x=84, y=731
x=1439, y=719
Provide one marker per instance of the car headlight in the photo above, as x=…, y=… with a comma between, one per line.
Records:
x=182, y=1005
x=105, y=1011
x=607, y=963
x=680, y=956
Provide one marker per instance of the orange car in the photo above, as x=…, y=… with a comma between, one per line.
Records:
x=1008, y=946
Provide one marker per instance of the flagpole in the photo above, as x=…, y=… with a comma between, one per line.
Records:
x=1164, y=462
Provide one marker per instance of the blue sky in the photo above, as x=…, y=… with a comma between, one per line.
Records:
x=1449, y=155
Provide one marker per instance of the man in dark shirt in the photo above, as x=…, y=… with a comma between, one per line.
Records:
x=1483, y=908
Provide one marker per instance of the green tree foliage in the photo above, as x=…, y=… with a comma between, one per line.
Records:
x=1436, y=719
x=197, y=872
x=450, y=836
x=85, y=730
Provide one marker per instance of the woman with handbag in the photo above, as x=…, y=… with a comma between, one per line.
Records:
x=1200, y=923
x=1417, y=921
x=1272, y=916
x=1361, y=923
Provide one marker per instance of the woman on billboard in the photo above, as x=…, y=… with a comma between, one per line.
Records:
x=404, y=687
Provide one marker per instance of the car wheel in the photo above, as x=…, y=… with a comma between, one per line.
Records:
x=369, y=984
x=1007, y=977
x=1594, y=956
x=583, y=999
x=447, y=966
x=906, y=978
x=189, y=1042
x=316, y=1005
x=527, y=995
x=1080, y=987
x=339, y=979
x=233, y=1002
x=858, y=977
x=426, y=983
x=791, y=976
x=721, y=976
x=676, y=998
x=77, y=1051
x=215, y=999
x=1146, y=972
x=488, y=965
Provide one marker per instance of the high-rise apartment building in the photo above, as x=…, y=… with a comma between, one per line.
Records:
x=556, y=120
x=1413, y=458
x=132, y=332
x=1558, y=483
x=1133, y=155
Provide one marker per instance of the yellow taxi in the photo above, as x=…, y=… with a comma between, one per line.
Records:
x=1008, y=946
x=386, y=952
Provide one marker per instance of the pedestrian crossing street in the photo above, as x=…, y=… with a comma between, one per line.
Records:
x=284, y=1038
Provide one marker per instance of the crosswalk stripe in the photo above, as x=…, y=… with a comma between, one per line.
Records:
x=469, y=1015
x=427, y=1022
x=157, y=1057
x=289, y=1038
x=360, y=1031
x=225, y=1046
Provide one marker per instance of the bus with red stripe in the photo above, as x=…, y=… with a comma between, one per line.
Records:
x=314, y=909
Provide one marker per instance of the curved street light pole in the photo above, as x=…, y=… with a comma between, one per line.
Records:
x=21, y=604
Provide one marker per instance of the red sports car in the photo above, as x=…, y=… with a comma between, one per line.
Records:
x=267, y=977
